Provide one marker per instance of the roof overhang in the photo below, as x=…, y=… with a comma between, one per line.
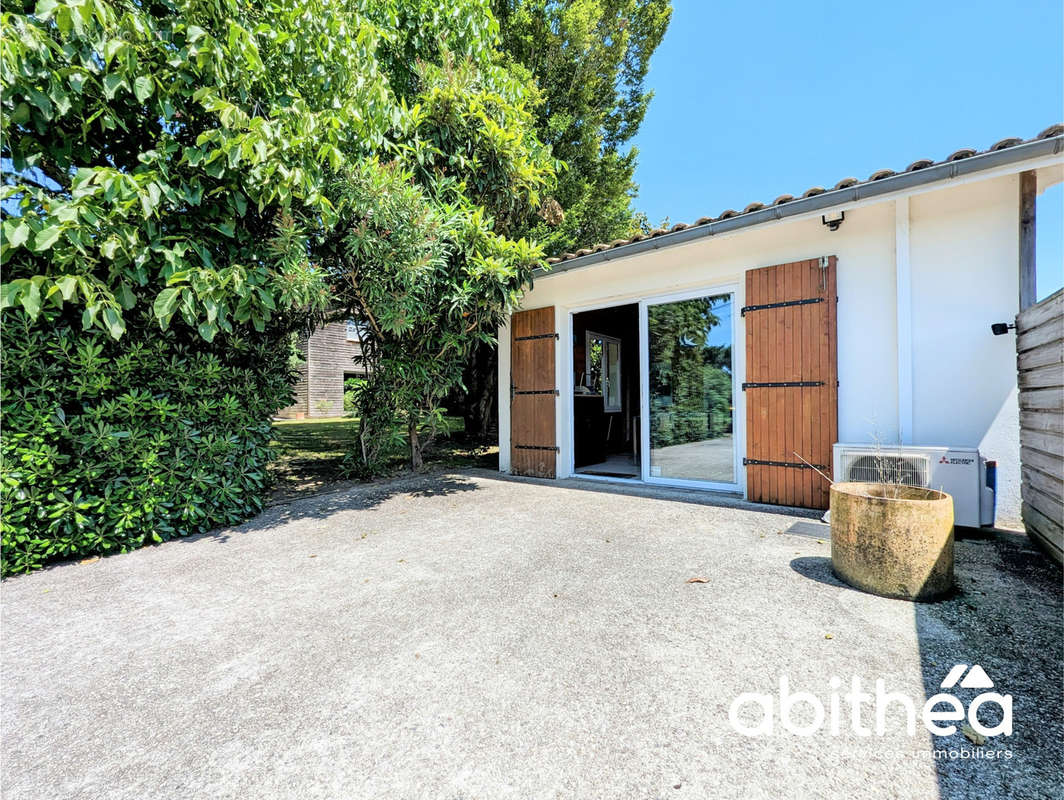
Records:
x=898, y=183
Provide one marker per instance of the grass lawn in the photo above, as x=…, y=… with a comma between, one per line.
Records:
x=310, y=453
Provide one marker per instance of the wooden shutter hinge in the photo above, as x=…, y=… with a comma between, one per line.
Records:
x=757, y=462
x=763, y=306
x=779, y=384
x=536, y=336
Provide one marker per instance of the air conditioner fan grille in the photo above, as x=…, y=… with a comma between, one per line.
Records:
x=907, y=470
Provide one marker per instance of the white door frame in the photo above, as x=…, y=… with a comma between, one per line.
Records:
x=738, y=410
x=567, y=387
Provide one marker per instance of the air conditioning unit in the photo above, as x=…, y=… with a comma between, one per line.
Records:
x=958, y=471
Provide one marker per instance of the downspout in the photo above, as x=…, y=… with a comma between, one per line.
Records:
x=904, y=305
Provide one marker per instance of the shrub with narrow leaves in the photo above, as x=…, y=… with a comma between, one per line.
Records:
x=431, y=282
x=109, y=445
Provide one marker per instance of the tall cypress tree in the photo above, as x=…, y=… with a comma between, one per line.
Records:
x=590, y=59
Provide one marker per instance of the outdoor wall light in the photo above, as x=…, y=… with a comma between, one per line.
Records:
x=1000, y=328
x=833, y=221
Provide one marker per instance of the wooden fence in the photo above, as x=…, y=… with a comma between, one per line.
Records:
x=1040, y=360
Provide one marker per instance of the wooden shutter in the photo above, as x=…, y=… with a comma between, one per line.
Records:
x=533, y=450
x=791, y=381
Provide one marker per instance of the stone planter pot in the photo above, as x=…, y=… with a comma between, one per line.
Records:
x=894, y=541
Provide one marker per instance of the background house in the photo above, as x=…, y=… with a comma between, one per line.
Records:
x=860, y=313
x=329, y=358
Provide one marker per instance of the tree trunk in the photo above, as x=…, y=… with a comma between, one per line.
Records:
x=416, y=460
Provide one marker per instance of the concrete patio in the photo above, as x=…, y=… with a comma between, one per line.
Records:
x=471, y=636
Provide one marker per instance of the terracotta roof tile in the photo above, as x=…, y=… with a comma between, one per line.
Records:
x=845, y=183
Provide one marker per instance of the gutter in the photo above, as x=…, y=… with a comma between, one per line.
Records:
x=820, y=202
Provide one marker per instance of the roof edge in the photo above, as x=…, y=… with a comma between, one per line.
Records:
x=819, y=202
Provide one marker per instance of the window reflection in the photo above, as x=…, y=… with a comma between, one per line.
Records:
x=691, y=403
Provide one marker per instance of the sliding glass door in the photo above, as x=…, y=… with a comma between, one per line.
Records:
x=690, y=408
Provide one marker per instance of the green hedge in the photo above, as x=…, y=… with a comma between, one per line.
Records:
x=670, y=427
x=107, y=445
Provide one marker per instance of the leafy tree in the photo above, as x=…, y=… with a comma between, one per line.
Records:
x=590, y=59
x=422, y=254
x=196, y=180
x=472, y=142
x=420, y=32
x=151, y=148
x=474, y=129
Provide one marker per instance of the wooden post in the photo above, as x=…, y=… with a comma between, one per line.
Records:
x=1028, y=286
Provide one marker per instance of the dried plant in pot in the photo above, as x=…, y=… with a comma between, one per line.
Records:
x=892, y=540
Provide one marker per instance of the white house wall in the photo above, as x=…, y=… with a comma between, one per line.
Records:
x=962, y=253
x=965, y=274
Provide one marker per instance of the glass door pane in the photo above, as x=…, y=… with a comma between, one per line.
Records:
x=691, y=408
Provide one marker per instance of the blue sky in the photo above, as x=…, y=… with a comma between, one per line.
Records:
x=754, y=100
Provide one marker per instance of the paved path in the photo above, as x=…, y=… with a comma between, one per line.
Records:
x=472, y=637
